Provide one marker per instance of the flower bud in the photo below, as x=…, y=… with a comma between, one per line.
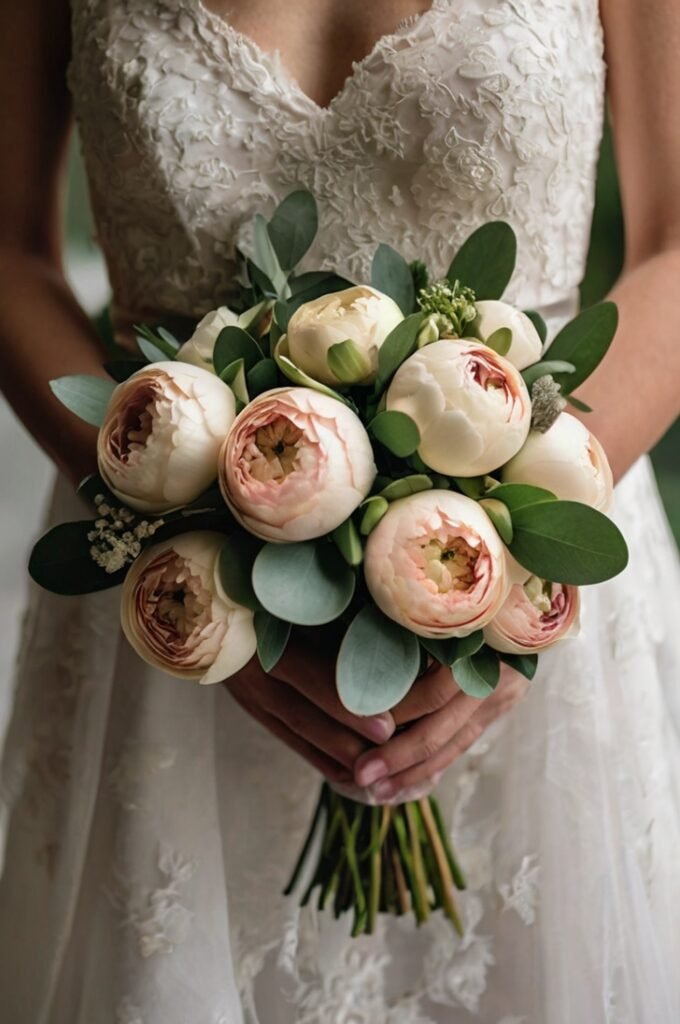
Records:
x=526, y=346
x=198, y=350
x=534, y=617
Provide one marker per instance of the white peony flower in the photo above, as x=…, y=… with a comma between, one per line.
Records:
x=526, y=346
x=535, y=616
x=198, y=350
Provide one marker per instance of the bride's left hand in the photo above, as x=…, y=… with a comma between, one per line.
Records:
x=441, y=724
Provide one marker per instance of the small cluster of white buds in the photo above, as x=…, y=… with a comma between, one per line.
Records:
x=116, y=538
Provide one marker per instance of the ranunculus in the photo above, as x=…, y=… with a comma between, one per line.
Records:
x=177, y=616
x=567, y=460
x=198, y=350
x=160, y=439
x=471, y=406
x=435, y=564
x=535, y=616
x=526, y=346
x=360, y=314
x=295, y=465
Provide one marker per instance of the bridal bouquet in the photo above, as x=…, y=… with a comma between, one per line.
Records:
x=392, y=457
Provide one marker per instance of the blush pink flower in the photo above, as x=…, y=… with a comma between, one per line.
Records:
x=295, y=465
x=535, y=616
x=176, y=615
x=435, y=564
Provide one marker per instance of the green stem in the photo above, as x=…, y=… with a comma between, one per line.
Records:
x=442, y=865
x=378, y=816
x=349, y=833
x=456, y=870
x=321, y=808
x=417, y=854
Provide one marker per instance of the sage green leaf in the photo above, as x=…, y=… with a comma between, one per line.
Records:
x=348, y=362
x=391, y=274
x=405, y=486
x=264, y=376
x=478, y=674
x=61, y=562
x=266, y=258
x=272, y=637
x=293, y=227
x=486, y=261
x=500, y=341
x=499, y=515
x=87, y=397
x=396, y=431
x=156, y=346
x=234, y=376
x=234, y=343
x=377, y=663
x=374, y=509
x=282, y=314
x=584, y=342
x=517, y=496
x=554, y=368
x=578, y=404
x=567, y=542
x=451, y=650
x=347, y=538
x=235, y=568
x=525, y=664
x=538, y=322
x=260, y=281
x=308, y=583
x=399, y=344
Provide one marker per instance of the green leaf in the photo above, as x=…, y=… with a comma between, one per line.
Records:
x=578, y=404
x=260, y=281
x=156, y=346
x=311, y=286
x=449, y=651
x=500, y=341
x=478, y=675
x=87, y=397
x=272, y=636
x=234, y=343
x=486, y=261
x=348, y=541
x=265, y=256
x=264, y=376
x=525, y=664
x=235, y=568
x=499, y=514
x=517, y=496
x=377, y=663
x=391, y=274
x=584, y=342
x=567, y=542
x=374, y=509
x=282, y=314
x=396, y=431
x=293, y=227
x=554, y=367
x=348, y=362
x=61, y=562
x=173, y=345
x=298, y=376
x=234, y=376
x=538, y=322
x=405, y=486
x=308, y=583
x=399, y=344
x=471, y=486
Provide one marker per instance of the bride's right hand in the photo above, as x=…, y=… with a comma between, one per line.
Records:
x=299, y=704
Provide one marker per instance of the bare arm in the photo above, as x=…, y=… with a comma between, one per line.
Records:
x=43, y=331
x=636, y=391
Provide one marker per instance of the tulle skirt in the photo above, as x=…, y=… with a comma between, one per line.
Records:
x=149, y=827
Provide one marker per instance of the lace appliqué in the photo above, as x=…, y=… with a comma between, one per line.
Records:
x=521, y=894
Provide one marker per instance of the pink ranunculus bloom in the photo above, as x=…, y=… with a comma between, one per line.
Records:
x=176, y=615
x=535, y=616
x=295, y=465
x=435, y=564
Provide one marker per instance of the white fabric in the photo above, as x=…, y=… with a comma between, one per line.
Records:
x=152, y=824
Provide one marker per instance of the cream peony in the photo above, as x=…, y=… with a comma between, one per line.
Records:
x=471, y=406
x=535, y=616
x=567, y=460
x=435, y=564
x=176, y=615
x=361, y=314
x=198, y=350
x=526, y=346
x=160, y=439
x=295, y=465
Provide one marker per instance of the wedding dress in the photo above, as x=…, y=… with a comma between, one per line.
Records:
x=151, y=824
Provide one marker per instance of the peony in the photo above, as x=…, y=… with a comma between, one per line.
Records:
x=160, y=439
x=361, y=314
x=526, y=346
x=471, y=406
x=535, y=616
x=435, y=564
x=567, y=460
x=176, y=615
x=295, y=465
x=198, y=350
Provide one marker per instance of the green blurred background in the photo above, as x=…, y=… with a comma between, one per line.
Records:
x=603, y=268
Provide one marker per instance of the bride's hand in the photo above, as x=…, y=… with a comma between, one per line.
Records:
x=299, y=704
x=442, y=723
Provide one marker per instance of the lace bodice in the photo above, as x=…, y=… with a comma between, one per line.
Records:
x=474, y=110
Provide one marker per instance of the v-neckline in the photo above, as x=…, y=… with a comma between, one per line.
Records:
x=272, y=60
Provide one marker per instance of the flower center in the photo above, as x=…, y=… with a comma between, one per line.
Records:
x=548, y=598
x=135, y=426
x=450, y=565
x=181, y=602
x=275, y=452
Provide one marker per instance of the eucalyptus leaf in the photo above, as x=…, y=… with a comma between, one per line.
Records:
x=471, y=486
x=377, y=663
x=234, y=376
x=61, y=562
x=486, y=261
x=87, y=397
x=347, y=538
x=554, y=367
x=156, y=346
x=500, y=341
x=567, y=542
x=282, y=314
x=235, y=568
x=260, y=281
x=293, y=227
x=169, y=339
x=399, y=344
x=405, y=486
x=348, y=362
x=264, y=376
x=539, y=323
x=234, y=343
x=308, y=583
x=478, y=675
x=265, y=256
x=373, y=510
x=391, y=274
x=584, y=342
x=517, y=496
x=151, y=352
x=453, y=649
x=396, y=431
x=272, y=636
x=499, y=514
x=525, y=664
x=298, y=376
